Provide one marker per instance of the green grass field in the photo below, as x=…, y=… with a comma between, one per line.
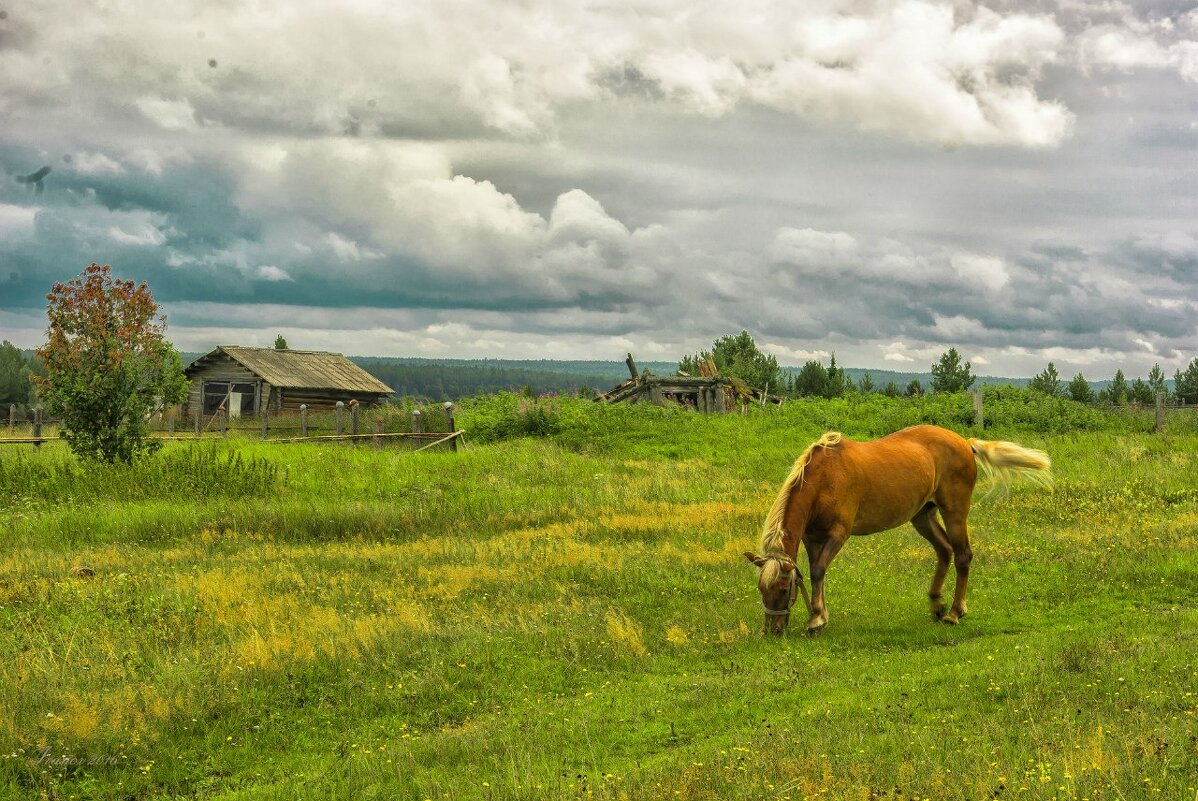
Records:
x=570, y=616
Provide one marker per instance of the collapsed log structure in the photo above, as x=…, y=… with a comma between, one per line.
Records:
x=709, y=393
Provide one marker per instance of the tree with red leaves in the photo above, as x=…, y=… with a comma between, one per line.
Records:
x=108, y=365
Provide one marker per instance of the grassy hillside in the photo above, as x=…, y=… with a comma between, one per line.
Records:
x=570, y=616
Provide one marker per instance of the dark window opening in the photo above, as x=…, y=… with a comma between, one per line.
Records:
x=217, y=394
x=214, y=395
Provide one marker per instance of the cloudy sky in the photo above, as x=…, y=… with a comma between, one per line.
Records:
x=515, y=179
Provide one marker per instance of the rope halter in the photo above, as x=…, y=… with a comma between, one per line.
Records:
x=791, y=594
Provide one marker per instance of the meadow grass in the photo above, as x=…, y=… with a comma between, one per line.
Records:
x=570, y=616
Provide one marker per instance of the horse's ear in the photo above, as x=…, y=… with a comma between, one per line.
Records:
x=754, y=558
x=787, y=565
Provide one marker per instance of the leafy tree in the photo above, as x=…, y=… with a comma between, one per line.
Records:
x=737, y=356
x=815, y=380
x=950, y=375
x=812, y=380
x=914, y=389
x=1140, y=392
x=1185, y=383
x=1156, y=381
x=1079, y=389
x=108, y=365
x=14, y=375
x=280, y=343
x=866, y=384
x=1047, y=381
x=891, y=390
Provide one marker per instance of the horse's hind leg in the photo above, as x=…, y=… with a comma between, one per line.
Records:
x=930, y=529
x=957, y=533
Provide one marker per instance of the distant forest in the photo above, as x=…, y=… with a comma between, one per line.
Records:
x=450, y=379
x=446, y=379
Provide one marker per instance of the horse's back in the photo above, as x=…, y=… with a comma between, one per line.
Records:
x=883, y=483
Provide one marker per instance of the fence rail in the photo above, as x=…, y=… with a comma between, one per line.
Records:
x=425, y=427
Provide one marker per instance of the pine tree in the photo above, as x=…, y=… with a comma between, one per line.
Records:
x=950, y=375
x=1140, y=392
x=1156, y=381
x=838, y=382
x=1116, y=393
x=1047, y=381
x=1079, y=389
x=1185, y=383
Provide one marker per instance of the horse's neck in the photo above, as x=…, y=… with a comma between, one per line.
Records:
x=798, y=513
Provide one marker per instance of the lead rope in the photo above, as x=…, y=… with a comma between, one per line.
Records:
x=803, y=589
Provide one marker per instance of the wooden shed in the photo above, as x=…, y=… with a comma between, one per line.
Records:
x=245, y=380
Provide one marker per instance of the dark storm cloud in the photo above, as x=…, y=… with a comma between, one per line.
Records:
x=885, y=179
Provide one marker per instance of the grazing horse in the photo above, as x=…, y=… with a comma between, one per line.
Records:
x=839, y=488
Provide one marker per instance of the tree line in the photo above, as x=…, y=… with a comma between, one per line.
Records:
x=737, y=355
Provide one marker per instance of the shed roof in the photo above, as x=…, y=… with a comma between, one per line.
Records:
x=299, y=369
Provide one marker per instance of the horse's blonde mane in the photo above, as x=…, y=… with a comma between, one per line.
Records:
x=773, y=532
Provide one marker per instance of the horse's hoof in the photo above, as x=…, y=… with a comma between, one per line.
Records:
x=938, y=614
x=814, y=631
x=951, y=619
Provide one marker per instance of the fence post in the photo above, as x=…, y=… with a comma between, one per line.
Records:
x=450, y=425
x=224, y=428
x=378, y=429
x=198, y=419
x=340, y=409
x=171, y=413
x=353, y=418
x=12, y=417
x=303, y=420
x=1160, y=412
x=265, y=422
x=979, y=418
x=37, y=425
x=417, y=422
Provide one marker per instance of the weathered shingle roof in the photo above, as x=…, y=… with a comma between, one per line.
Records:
x=299, y=369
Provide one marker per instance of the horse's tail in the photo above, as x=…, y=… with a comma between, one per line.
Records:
x=1004, y=462
x=772, y=532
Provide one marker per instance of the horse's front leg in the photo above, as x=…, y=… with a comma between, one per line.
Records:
x=820, y=553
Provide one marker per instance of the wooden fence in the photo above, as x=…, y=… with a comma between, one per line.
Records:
x=422, y=427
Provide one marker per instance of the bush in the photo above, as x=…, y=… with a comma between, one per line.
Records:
x=580, y=423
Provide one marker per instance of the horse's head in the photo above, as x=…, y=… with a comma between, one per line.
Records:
x=778, y=581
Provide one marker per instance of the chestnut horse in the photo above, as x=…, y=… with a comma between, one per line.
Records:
x=839, y=488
